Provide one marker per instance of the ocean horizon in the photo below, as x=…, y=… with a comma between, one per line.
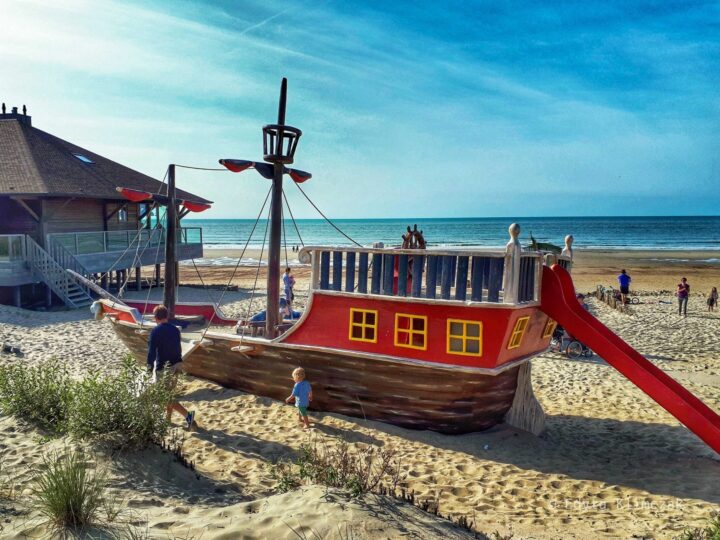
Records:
x=622, y=233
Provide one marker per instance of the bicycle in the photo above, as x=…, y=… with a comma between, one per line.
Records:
x=572, y=348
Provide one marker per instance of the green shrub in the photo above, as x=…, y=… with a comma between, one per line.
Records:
x=40, y=395
x=711, y=532
x=359, y=469
x=68, y=492
x=122, y=409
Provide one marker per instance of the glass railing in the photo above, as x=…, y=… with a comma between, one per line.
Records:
x=12, y=247
x=98, y=242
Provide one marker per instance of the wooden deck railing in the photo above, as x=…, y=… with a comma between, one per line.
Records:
x=464, y=275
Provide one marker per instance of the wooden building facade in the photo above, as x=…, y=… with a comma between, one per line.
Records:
x=60, y=209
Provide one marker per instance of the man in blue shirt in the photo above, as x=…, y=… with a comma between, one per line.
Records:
x=165, y=352
x=624, y=280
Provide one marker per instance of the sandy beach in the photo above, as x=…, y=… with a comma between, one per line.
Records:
x=611, y=464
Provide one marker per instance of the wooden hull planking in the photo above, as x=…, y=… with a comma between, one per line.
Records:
x=417, y=396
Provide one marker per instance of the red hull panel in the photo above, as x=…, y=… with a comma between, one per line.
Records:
x=327, y=325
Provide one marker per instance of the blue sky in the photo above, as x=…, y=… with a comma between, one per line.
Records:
x=437, y=110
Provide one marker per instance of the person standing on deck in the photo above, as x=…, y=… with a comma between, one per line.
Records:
x=624, y=280
x=683, y=292
x=288, y=284
x=164, y=351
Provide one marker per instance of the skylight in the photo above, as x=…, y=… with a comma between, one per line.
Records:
x=83, y=158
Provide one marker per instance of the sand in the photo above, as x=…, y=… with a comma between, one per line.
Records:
x=612, y=463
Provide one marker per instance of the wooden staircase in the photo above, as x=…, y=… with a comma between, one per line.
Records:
x=45, y=267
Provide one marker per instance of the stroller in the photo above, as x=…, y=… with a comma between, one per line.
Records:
x=563, y=342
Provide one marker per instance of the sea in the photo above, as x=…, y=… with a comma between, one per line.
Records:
x=620, y=233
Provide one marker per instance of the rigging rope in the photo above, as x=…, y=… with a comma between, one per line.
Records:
x=293, y=218
x=282, y=220
x=201, y=168
x=242, y=253
x=324, y=216
x=257, y=275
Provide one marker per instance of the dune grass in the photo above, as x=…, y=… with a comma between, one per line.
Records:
x=356, y=468
x=69, y=492
x=710, y=532
x=40, y=395
x=123, y=409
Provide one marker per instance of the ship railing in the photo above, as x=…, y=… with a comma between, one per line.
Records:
x=459, y=275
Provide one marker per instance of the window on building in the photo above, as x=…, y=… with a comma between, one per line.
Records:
x=83, y=158
x=550, y=326
x=464, y=337
x=363, y=325
x=518, y=332
x=411, y=331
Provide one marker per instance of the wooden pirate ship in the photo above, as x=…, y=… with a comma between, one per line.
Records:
x=425, y=338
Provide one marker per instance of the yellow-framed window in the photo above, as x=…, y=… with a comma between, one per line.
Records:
x=518, y=332
x=363, y=325
x=550, y=326
x=411, y=331
x=464, y=337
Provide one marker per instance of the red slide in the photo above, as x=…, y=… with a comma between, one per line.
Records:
x=559, y=302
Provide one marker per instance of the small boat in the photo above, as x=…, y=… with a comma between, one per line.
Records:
x=420, y=337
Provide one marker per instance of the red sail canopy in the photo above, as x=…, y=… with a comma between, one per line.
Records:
x=135, y=195
x=195, y=207
x=299, y=176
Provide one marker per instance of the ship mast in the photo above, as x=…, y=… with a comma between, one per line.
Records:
x=278, y=161
x=170, y=292
x=279, y=145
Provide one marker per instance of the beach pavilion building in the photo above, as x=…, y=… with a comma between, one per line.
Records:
x=60, y=209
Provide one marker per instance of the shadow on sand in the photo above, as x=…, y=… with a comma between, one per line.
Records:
x=657, y=458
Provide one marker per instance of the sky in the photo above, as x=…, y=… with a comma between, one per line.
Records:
x=408, y=109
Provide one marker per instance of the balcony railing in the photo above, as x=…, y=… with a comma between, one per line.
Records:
x=12, y=247
x=86, y=243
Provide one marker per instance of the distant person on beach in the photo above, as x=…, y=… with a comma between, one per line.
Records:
x=302, y=395
x=683, y=291
x=624, y=280
x=164, y=352
x=288, y=284
x=712, y=300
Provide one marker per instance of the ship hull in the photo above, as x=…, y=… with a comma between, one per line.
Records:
x=411, y=395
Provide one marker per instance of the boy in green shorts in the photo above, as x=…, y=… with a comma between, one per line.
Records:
x=302, y=394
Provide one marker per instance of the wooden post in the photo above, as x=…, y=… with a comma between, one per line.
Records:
x=170, y=293
x=568, y=251
x=350, y=271
x=104, y=280
x=511, y=275
x=157, y=275
x=431, y=276
x=324, y=270
x=402, y=275
x=418, y=261
x=376, y=273
x=462, y=275
x=362, y=273
x=48, y=296
x=476, y=278
x=388, y=269
x=17, y=297
x=138, y=278
x=337, y=271
x=273, y=279
x=446, y=277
